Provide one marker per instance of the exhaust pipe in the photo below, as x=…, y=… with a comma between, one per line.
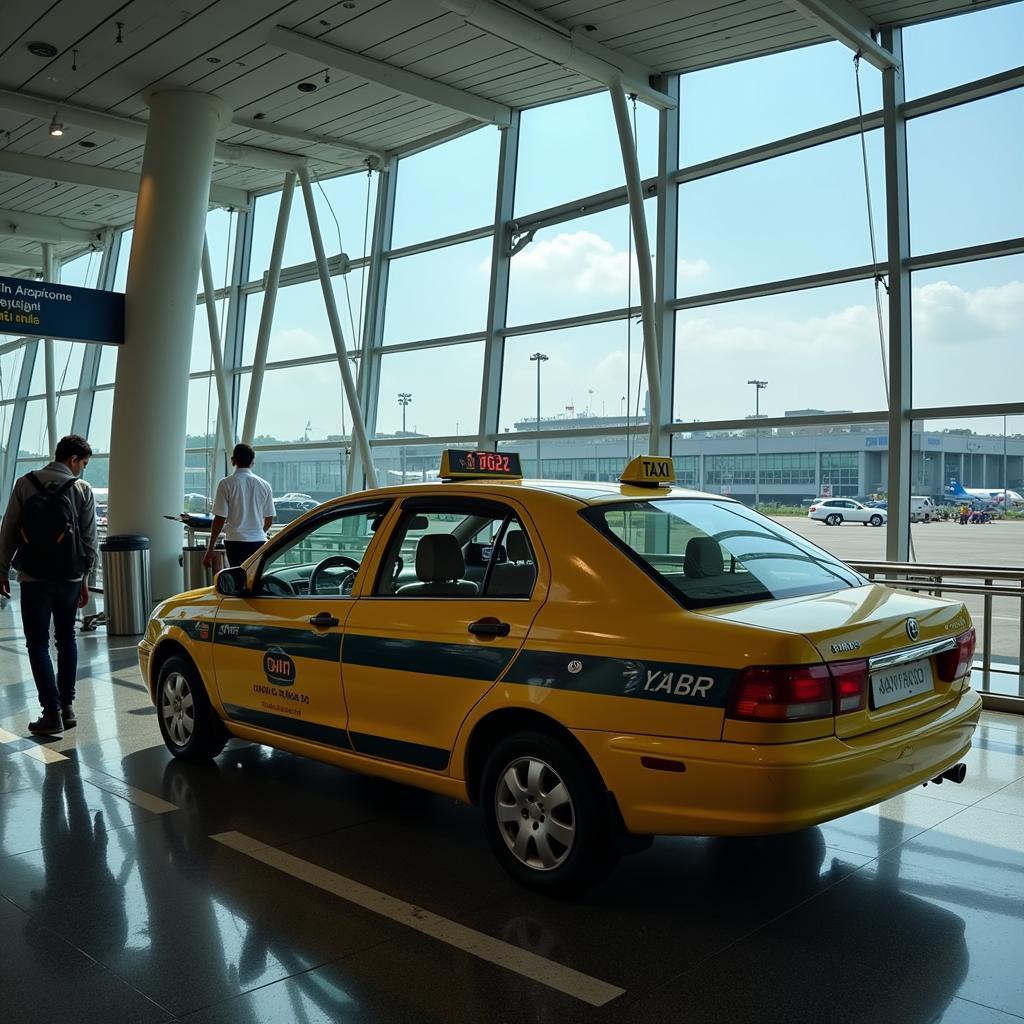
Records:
x=955, y=773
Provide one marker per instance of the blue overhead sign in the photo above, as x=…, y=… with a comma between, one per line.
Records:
x=60, y=311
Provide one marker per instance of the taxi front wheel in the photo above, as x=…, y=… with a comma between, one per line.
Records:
x=544, y=815
x=188, y=724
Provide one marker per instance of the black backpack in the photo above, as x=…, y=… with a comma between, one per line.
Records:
x=51, y=545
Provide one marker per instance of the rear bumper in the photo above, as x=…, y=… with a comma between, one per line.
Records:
x=747, y=789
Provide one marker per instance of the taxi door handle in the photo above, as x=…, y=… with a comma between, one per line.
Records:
x=489, y=627
x=323, y=620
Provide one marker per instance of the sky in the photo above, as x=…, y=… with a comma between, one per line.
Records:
x=795, y=215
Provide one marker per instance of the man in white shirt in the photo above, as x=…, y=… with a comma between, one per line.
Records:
x=243, y=508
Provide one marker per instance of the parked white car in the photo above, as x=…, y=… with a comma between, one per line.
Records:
x=836, y=511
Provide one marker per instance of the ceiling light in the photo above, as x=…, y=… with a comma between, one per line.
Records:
x=56, y=128
x=306, y=87
x=87, y=144
x=40, y=49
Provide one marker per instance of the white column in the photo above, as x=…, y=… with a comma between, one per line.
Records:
x=897, y=206
x=147, y=449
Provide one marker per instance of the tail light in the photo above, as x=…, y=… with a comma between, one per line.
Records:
x=797, y=693
x=957, y=661
x=814, y=508
x=851, y=684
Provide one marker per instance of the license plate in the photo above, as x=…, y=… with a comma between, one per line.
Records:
x=895, y=684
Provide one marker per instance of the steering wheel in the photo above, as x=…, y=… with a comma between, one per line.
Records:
x=331, y=562
x=274, y=586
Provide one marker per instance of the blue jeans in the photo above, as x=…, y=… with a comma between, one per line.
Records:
x=41, y=601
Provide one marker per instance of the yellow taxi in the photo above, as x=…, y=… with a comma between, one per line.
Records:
x=591, y=663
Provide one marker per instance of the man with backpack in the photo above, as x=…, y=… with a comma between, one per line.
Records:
x=49, y=533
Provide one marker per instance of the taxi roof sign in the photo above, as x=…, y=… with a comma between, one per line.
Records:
x=474, y=465
x=650, y=471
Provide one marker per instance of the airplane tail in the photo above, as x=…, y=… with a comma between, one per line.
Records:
x=957, y=490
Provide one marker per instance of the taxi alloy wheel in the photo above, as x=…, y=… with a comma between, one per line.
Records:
x=535, y=814
x=875, y=520
x=834, y=519
x=188, y=724
x=546, y=815
x=178, y=708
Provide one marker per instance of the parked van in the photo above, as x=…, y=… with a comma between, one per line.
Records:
x=922, y=509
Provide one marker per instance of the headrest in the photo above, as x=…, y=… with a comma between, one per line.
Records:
x=703, y=557
x=439, y=558
x=516, y=547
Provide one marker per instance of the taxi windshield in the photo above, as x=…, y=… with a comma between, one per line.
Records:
x=708, y=553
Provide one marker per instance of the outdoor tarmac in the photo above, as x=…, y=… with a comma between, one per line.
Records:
x=996, y=544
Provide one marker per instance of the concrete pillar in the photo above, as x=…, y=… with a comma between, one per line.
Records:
x=147, y=441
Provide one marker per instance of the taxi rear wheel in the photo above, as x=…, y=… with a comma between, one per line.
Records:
x=545, y=816
x=188, y=724
x=834, y=519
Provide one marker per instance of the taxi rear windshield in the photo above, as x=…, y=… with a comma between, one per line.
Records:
x=709, y=553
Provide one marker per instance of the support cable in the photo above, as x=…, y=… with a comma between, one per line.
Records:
x=879, y=277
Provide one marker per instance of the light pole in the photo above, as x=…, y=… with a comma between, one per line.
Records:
x=1005, y=506
x=759, y=386
x=538, y=358
x=404, y=398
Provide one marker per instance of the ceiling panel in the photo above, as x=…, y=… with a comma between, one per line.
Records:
x=218, y=46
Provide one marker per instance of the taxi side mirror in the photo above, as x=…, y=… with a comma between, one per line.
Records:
x=231, y=582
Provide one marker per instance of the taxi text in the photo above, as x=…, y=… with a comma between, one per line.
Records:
x=683, y=685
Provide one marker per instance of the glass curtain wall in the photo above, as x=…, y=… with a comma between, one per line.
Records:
x=768, y=302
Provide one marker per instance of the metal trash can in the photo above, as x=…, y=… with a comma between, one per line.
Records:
x=126, y=584
x=194, y=573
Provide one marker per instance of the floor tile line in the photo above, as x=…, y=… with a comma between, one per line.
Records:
x=131, y=794
x=503, y=954
x=47, y=755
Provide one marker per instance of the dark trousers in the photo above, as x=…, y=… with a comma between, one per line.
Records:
x=239, y=550
x=41, y=602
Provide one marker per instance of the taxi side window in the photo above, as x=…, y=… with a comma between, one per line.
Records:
x=323, y=559
x=451, y=553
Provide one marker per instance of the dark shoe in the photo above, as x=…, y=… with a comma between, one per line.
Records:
x=67, y=715
x=48, y=724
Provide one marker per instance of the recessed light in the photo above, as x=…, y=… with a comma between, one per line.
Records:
x=41, y=49
x=213, y=60
x=349, y=5
x=258, y=116
x=87, y=144
x=306, y=86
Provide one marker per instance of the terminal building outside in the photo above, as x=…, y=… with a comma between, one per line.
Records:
x=795, y=462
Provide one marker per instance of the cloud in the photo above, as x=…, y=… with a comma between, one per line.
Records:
x=296, y=342
x=945, y=314
x=843, y=331
x=584, y=263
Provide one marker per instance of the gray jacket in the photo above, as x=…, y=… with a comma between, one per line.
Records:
x=85, y=507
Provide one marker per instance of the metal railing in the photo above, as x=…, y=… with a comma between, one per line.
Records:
x=990, y=583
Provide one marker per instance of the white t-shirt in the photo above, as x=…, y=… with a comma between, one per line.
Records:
x=244, y=500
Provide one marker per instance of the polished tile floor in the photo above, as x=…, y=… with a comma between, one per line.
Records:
x=118, y=904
